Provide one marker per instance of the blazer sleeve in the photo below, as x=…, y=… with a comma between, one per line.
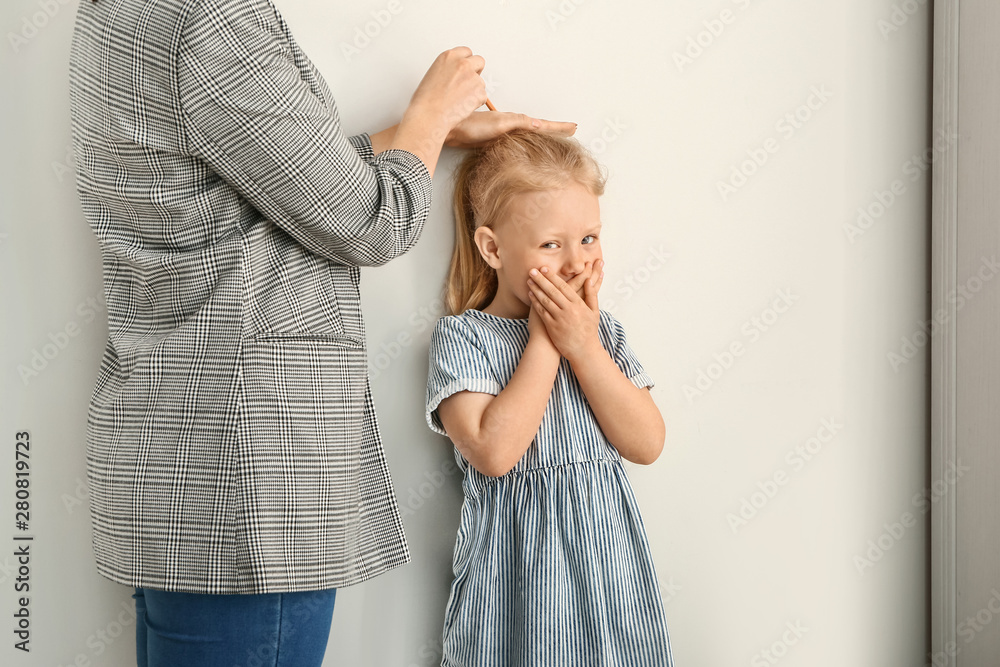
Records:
x=363, y=145
x=248, y=113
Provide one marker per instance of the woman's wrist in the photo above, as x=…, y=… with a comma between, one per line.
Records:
x=422, y=133
x=382, y=140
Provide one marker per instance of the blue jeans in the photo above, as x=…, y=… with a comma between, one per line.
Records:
x=266, y=630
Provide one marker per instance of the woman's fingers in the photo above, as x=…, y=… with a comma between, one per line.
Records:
x=481, y=127
x=464, y=56
x=560, y=128
x=514, y=121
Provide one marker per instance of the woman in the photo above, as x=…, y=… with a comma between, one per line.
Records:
x=235, y=467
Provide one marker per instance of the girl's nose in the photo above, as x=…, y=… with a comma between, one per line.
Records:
x=573, y=265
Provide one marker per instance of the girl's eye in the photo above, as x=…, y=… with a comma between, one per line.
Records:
x=590, y=236
x=549, y=243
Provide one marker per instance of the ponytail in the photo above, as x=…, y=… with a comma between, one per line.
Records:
x=472, y=283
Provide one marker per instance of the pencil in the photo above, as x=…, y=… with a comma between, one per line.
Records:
x=489, y=105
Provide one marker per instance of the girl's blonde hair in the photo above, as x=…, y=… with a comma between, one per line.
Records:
x=517, y=162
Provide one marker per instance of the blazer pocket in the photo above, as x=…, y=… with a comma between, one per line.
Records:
x=335, y=340
x=301, y=428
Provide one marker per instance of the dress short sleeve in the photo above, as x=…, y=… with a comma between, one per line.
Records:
x=456, y=363
x=622, y=353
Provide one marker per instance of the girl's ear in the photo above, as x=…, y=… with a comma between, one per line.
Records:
x=486, y=241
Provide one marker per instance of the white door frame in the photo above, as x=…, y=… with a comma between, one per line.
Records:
x=944, y=279
x=965, y=359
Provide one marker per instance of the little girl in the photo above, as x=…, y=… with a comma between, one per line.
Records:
x=541, y=395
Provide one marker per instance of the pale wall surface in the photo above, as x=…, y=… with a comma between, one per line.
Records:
x=817, y=307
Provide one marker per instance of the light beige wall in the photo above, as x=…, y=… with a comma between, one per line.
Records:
x=816, y=302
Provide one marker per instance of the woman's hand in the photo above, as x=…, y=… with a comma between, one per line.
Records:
x=483, y=126
x=451, y=89
x=441, y=112
x=571, y=322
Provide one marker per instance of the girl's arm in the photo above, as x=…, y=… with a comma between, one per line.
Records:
x=627, y=414
x=494, y=432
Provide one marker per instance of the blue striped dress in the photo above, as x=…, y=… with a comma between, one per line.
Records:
x=552, y=565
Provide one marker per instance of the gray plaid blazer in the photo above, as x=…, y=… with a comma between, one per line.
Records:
x=232, y=443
